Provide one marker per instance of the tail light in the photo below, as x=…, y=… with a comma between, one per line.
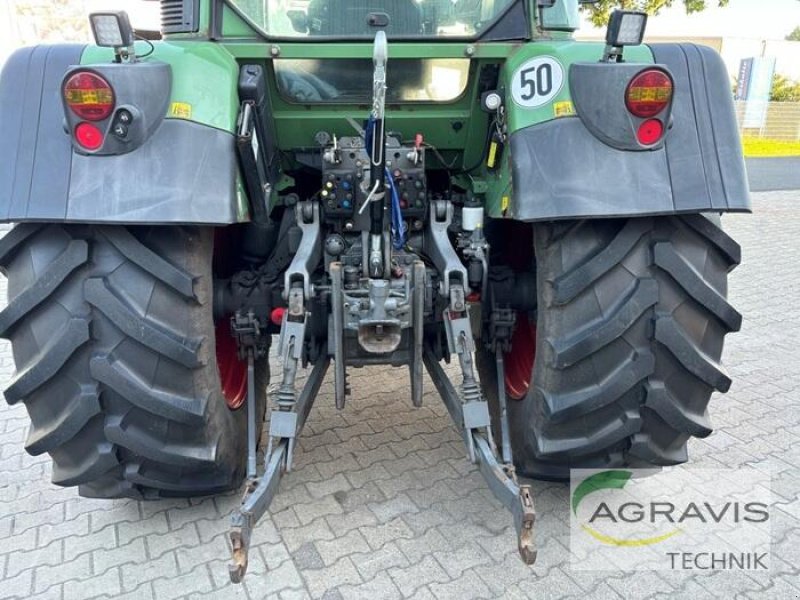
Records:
x=89, y=136
x=650, y=132
x=89, y=96
x=649, y=93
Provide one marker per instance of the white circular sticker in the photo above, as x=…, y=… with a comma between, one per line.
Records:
x=537, y=82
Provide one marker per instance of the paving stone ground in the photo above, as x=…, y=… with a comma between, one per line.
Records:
x=382, y=503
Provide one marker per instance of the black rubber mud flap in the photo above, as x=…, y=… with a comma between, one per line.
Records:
x=178, y=171
x=562, y=171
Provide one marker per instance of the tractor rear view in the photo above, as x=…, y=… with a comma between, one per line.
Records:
x=393, y=182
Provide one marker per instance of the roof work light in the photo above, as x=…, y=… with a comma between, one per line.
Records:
x=625, y=28
x=112, y=29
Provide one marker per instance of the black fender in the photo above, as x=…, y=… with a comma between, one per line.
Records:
x=174, y=171
x=564, y=169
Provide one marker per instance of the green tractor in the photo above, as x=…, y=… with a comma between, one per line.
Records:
x=374, y=182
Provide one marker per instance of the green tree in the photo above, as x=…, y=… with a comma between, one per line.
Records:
x=784, y=89
x=599, y=12
x=795, y=35
x=52, y=20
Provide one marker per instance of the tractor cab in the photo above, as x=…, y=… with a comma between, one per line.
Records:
x=331, y=19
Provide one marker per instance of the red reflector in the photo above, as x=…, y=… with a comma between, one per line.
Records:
x=649, y=93
x=89, y=96
x=89, y=136
x=277, y=315
x=650, y=132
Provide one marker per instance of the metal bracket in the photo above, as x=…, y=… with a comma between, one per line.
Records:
x=476, y=417
x=309, y=252
x=418, y=303
x=476, y=414
x=459, y=333
x=337, y=319
x=283, y=426
x=252, y=344
x=501, y=478
x=260, y=491
x=505, y=429
x=290, y=344
x=246, y=330
x=438, y=247
x=518, y=499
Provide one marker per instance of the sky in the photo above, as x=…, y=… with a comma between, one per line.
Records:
x=145, y=15
x=761, y=19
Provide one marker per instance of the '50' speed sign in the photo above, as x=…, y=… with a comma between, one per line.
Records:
x=537, y=82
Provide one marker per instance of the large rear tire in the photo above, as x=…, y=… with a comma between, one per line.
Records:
x=114, y=342
x=631, y=319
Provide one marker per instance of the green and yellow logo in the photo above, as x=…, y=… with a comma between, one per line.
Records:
x=611, y=480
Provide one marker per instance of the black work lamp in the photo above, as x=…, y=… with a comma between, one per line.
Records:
x=112, y=29
x=625, y=28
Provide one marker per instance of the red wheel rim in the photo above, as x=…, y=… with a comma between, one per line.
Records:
x=519, y=361
x=232, y=371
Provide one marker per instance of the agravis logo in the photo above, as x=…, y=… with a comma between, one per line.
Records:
x=637, y=519
x=603, y=481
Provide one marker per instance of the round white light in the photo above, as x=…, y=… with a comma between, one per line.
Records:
x=492, y=101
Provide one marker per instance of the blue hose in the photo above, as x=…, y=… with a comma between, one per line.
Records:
x=398, y=225
x=399, y=229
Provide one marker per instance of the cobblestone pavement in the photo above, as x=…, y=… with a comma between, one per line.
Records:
x=383, y=505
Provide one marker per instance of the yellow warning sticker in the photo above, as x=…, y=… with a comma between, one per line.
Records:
x=492, y=159
x=180, y=110
x=564, y=109
x=504, y=204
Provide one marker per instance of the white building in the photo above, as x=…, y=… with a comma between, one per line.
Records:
x=735, y=49
x=30, y=22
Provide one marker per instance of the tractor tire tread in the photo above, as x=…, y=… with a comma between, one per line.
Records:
x=632, y=314
x=113, y=340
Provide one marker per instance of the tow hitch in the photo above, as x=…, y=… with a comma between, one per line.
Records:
x=468, y=410
x=472, y=418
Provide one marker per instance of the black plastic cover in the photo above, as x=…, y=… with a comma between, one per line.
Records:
x=253, y=88
x=184, y=173
x=36, y=152
x=704, y=146
x=180, y=16
x=561, y=170
x=142, y=89
x=598, y=92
